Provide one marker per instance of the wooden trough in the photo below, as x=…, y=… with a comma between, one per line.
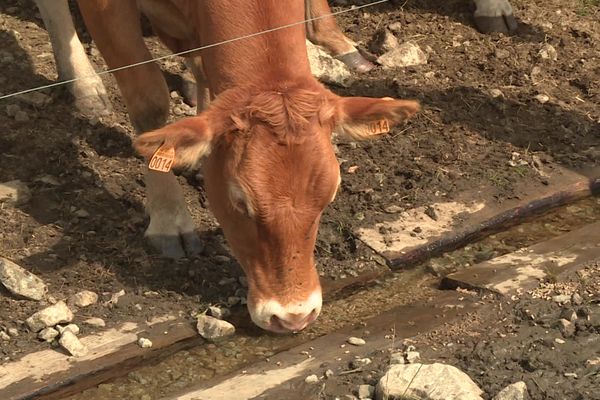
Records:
x=51, y=374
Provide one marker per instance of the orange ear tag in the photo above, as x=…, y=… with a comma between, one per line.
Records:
x=379, y=127
x=163, y=159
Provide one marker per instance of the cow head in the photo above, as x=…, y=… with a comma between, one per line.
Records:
x=270, y=171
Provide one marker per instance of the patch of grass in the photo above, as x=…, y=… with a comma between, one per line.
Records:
x=586, y=7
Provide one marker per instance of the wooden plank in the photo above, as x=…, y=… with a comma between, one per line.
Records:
x=52, y=374
x=522, y=270
x=283, y=376
x=459, y=223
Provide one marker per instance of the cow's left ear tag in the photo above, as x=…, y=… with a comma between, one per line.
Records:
x=163, y=158
x=379, y=127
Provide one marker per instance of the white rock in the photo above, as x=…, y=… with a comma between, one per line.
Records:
x=114, y=298
x=366, y=391
x=405, y=55
x=4, y=336
x=144, y=343
x=95, y=322
x=496, y=93
x=397, y=358
x=71, y=327
x=385, y=41
x=50, y=316
x=69, y=341
x=326, y=68
x=14, y=193
x=548, y=52
x=21, y=282
x=13, y=332
x=356, y=341
x=329, y=373
x=542, y=98
x=219, y=312
x=84, y=298
x=48, y=334
x=212, y=328
x=516, y=391
x=561, y=298
x=360, y=362
x=412, y=357
x=311, y=379
x=435, y=381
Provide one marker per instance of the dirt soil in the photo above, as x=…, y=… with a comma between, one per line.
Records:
x=83, y=226
x=515, y=340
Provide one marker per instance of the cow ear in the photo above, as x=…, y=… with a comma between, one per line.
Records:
x=183, y=142
x=362, y=118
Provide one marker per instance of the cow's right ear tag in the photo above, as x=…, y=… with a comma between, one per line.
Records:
x=162, y=160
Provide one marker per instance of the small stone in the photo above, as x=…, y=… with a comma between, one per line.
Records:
x=4, y=336
x=21, y=282
x=366, y=391
x=13, y=332
x=542, y=98
x=561, y=298
x=395, y=27
x=405, y=55
x=48, y=334
x=326, y=68
x=568, y=314
x=412, y=357
x=219, y=312
x=48, y=180
x=69, y=342
x=501, y=54
x=384, y=41
x=212, y=328
x=36, y=99
x=393, y=209
x=311, y=379
x=226, y=281
x=14, y=193
x=233, y=300
x=21, y=116
x=72, y=327
x=95, y=322
x=356, y=341
x=593, y=362
x=144, y=343
x=352, y=169
x=515, y=391
x=50, y=316
x=576, y=299
x=328, y=373
x=397, y=358
x=223, y=259
x=566, y=328
x=84, y=298
x=114, y=298
x=495, y=93
x=82, y=213
x=548, y=52
x=360, y=362
x=559, y=341
x=570, y=375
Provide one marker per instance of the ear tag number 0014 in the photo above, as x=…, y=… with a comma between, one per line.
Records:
x=163, y=159
x=379, y=127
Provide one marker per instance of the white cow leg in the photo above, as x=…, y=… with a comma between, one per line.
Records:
x=494, y=16
x=171, y=229
x=71, y=60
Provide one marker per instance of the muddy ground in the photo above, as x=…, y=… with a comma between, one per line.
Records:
x=461, y=141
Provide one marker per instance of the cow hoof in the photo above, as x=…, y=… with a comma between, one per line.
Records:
x=189, y=92
x=356, y=62
x=90, y=98
x=503, y=24
x=176, y=247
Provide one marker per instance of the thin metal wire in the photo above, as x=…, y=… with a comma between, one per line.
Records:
x=108, y=71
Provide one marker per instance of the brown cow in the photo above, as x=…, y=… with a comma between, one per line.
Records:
x=269, y=165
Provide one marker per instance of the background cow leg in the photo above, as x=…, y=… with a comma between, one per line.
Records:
x=71, y=60
x=494, y=16
x=202, y=87
x=326, y=32
x=117, y=32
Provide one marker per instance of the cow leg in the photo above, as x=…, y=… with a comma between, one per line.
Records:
x=71, y=60
x=202, y=88
x=494, y=16
x=326, y=32
x=117, y=32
